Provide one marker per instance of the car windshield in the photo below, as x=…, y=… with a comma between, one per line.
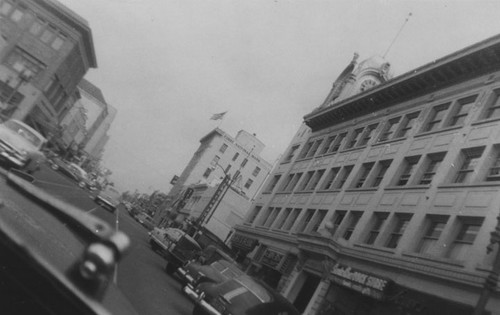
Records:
x=258, y=290
x=24, y=132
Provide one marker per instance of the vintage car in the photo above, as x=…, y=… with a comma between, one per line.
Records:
x=21, y=146
x=240, y=296
x=108, y=198
x=175, y=245
x=194, y=273
x=56, y=258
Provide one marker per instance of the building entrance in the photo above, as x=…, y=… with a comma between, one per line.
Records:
x=306, y=292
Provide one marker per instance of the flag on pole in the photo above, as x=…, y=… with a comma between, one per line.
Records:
x=218, y=116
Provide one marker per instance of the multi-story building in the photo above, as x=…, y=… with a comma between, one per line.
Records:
x=386, y=197
x=219, y=155
x=45, y=51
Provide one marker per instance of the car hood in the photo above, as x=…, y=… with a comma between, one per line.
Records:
x=15, y=140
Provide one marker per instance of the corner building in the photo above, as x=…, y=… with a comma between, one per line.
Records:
x=386, y=197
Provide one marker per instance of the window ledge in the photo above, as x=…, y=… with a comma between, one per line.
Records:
x=376, y=248
x=303, y=192
x=485, y=121
x=304, y=159
x=353, y=149
x=329, y=191
x=385, y=142
x=362, y=189
x=426, y=133
x=407, y=187
x=435, y=259
x=482, y=184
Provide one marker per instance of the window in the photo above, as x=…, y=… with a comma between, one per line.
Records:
x=256, y=171
x=354, y=217
x=18, y=14
x=327, y=144
x=223, y=148
x=389, y=129
x=5, y=8
x=272, y=216
x=378, y=222
x=494, y=170
x=355, y=136
x=22, y=62
x=433, y=230
x=235, y=156
x=314, y=148
x=493, y=105
x=306, y=149
x=346, y=171
x=409, y=166
x=294, y=179
x=248, y=183
x=273, y=183
x=253, y=214
x=337, y=219
x=332, y=174
x=305, y=220
x=215, y=161
x=207, y=172
x=436, y=116
x=468, y=162
x=367, y=135
x=244, y=162
x=315, y=179
x=58, y=41
x=36, y=27
x=291, y=153
x=431, y=165
x=461, y=109
x=407, y=124
x=467, y=231
x=265, y=216
x=306, y=180
x=339, y=141
x=291, y=220
x=228, y=167
x=399, y=227
x=318, y=219
x=363, y=174
x=48, y=35
x=382, y=168
x=282, y=219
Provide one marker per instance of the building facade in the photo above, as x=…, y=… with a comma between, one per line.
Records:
x=386, y=197
x=219, y=155
x=46, y=49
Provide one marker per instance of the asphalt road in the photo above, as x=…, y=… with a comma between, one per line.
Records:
x=140, y=274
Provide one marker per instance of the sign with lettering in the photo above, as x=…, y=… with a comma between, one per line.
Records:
x=242, y=242
x=271, y=258
x=359, y=281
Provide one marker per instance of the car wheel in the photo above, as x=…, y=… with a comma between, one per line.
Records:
x=54, y=167
x=81, y=184
x=170, y=269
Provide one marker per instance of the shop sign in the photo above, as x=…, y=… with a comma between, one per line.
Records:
x=359, y=281
x=271, y=258
x=243, y=242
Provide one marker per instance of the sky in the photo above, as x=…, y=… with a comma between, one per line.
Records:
x=168, y=65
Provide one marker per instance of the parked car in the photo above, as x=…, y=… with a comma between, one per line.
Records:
x=240, y=296
x=218, y=271
x=73, y=171
x=175, y=245
x=108, y=198
x=21, y=145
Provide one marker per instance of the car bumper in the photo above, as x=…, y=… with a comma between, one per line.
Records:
x=185, y=275
x=198, y=298
x=11, y=156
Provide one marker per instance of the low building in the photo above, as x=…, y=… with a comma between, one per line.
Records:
x=386, y=197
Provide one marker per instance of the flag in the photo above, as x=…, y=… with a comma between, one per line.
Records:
x=218, y=116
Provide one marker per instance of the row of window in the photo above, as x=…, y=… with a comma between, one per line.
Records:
x=386, y=230
x=44, y=31
x=471, y=165
x=446, y=115
x=383, y=230
x=223, y=149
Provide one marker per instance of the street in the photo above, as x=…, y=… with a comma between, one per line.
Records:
x=140, y=274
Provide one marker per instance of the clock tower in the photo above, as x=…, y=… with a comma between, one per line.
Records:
x=357, y=78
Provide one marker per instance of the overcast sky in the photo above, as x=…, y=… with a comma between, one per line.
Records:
x=168, y=65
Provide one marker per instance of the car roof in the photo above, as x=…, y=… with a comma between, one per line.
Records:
x=30, y=129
